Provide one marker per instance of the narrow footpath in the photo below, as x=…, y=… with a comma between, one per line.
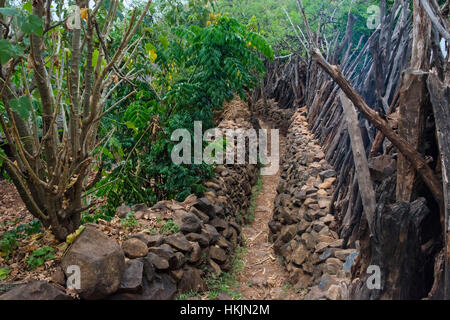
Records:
x=264, y=276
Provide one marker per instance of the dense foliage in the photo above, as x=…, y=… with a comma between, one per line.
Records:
x=269, y=18
x=189, y=70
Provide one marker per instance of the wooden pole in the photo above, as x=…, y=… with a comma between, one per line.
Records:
x=361, y=164
x=440, y=96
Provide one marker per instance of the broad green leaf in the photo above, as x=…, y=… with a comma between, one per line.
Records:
x=33, y=24
x=22, y=106
x=9, y=11
x=8, y=51
x=3, y=273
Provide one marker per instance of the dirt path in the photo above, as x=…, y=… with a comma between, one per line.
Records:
x=263, y=276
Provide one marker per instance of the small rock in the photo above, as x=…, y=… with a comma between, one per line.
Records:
x=327, y=184
x=155, y=240
x=204, y=205
x=324, y=203
x=59, y=277
x=337, y=243
x=122, y=211
x=299, y=255
x=190, y=223
x=158, y=262
x=334, y=292
x=326, y=281
x=149, y=269
x=165, y=251
x=343, y=254
x=200, y=238
x=219, y=224
x=179, y=242
x=196, y=253
x=145, y=238
x=333, y=265
x=309, y=240
x=215, y=267
x=163, y=287
x=288, y=233
x=132, y=277
x=191, y=281
x=211, y=233
x=202, y=216
x=327, y=174
x=177, y=274
x=134, y=248
x=217, y=254
x=315, y=294
x=181, y=260
x=350, y=260
x=327, y=219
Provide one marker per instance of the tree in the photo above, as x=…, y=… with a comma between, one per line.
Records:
x=55, y=78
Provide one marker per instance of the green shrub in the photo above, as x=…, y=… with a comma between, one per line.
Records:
x=4, y=273
x=39, y=256
x=130, y=221
x=169, y=227
x=7, y=244
x=194, y=68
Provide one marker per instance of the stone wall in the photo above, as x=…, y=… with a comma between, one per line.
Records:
x=279, y=118
x=303, y=230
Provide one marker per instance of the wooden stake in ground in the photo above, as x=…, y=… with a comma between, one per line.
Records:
x=411, y=126
x=360, y=159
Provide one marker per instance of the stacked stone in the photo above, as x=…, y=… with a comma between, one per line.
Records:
x=302, y=229
x=278, y=118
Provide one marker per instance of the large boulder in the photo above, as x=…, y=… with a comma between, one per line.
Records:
x=36, y=290
x=101, y=262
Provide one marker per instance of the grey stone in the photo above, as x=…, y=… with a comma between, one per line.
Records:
x=36, y=290
x=101, y=261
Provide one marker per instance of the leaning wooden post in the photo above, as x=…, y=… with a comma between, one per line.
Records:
x=361, y=164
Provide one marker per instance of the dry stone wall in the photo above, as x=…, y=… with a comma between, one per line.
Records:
x=303, y=230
